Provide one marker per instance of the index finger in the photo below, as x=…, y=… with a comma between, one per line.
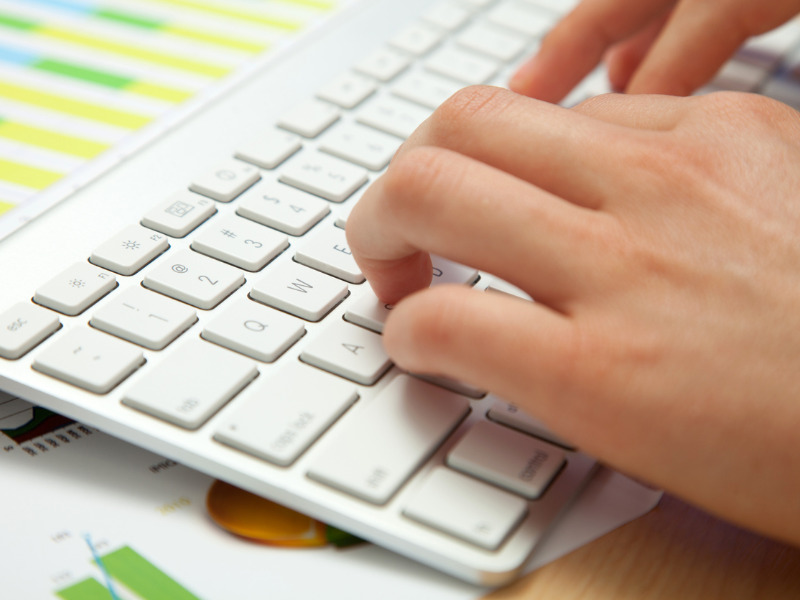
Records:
x=576, y=44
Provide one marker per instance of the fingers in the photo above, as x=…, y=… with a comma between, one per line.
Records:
x=696, y=41
x=575, y=46
x=623, y=59
x=642, y=111
x=519, y=350
x=558, y=150
x=433, y=201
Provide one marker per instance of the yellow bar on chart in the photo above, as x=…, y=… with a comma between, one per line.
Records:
x=219, y=40
x=76, y=108
x=26, y=175
x=51, y=140
x=159, y=58
x=5, y=207
x=250, y=17
x=160, y=92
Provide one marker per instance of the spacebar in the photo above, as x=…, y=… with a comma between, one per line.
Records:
x=376, y=449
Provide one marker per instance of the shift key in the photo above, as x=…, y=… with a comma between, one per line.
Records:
x=378, y=448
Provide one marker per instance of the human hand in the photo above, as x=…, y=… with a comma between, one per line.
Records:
x=660, y=237
x=653, y=46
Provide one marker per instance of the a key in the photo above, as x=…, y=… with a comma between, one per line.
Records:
x=462, y=65
x=192, y=384
x=377, y=448
x=517, y=462
x=310, y=118
x=180, y=214
x=361, y=145
x=89, y=359
x=426, y=89
x=282, y=207
x=240, y=242
x=418, y=38
x=393, y=116
x=195, y=279
x=325, y=176
x=130, y=250
x=384, y=64
x=300, y=291
x=523, y=17
x=144, y=318
x=465, y=508
x=348, y=90
x=368, y=311
x=254, y=330
x=349, y=351
x=510, y=415
x=328, y=252
x=23, y=327
x=76, y=289
x=225, y=181
x=269, y=149
x=279, y=418
x=496, y=42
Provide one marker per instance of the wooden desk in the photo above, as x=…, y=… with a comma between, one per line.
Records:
x=675, y=552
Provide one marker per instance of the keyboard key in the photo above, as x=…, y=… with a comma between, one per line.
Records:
x=225, y=181
x=523, y=17
x=195, y=279
x=393, y=116
x=496, y=42
x=191, y=384
x=130, y=250
x=328, y=252
x=349, y=351
x=448, y=14
x=89, y=359
x=144, y=318
x=282, y=416
x=24, y=326
x=300, y=291
x=361, y=145
x=254, y=330
x=377, y=448
x=510, y=415
x=268, y=150
x=180, y=214
x=426, y=89
x=325, y=176
x=467, y=509
x=517, y=462
x=76, y=289
x=240, y=242
x=384, y=64
x=282, y=207
x=310, y=118
x=368, y=311
x=348, y=90
x=418, y=38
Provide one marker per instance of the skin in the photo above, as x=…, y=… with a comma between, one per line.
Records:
x=660, y=237
x=652, y=46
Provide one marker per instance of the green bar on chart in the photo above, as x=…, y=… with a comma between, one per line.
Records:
x=88, y=589
x=143, y=578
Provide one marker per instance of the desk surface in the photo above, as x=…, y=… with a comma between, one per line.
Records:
x=675, y=552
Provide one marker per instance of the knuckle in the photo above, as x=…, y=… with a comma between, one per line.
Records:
x=455, y=115
x=407, y=182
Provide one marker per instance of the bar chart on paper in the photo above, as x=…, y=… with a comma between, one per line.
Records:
x=78, y=77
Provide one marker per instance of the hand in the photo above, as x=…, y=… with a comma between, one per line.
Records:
x=654, y=46
x=660, y=238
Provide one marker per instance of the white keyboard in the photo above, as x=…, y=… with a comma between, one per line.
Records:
x=228, y=327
